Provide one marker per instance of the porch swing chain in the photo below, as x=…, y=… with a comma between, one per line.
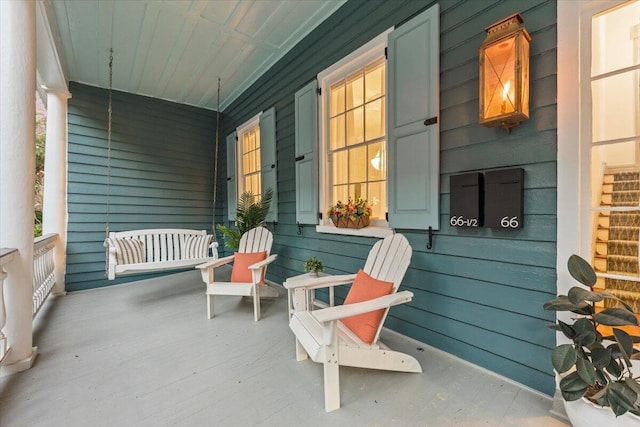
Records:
x=109, y=110
x=215, y=166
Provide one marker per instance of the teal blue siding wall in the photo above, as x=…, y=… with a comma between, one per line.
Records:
x=478, y=292
x=161, y=174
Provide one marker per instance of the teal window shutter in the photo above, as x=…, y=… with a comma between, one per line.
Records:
x=232, y=181
x=414, y=134
x=268, y=160
x=306, y=154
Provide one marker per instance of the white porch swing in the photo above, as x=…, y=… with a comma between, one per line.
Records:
x=160, y=249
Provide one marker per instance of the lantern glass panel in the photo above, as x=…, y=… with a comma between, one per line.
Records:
x=499, y=78
x=524, y=61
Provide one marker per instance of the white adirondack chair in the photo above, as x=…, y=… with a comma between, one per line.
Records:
x=257, y=239
x=321, y=335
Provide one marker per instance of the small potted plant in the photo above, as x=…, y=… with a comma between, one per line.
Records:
x=593, y=366
x=313, y=265
x=353, y=214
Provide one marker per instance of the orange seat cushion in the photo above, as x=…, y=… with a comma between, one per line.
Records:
x=241, y=263
x=364, y=288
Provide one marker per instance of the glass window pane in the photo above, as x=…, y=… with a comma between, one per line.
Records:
x=340, y=167
x=355, y=91
x=357, y=191
x=613, y=44
x=256, y=136
x=340, y=193
x=358, y=164
x=376, y=161
x=254, y=163
x=355, y=126
x=616, y=248
x=612, y=178
x=374, y=80
x=616, y=110
x=337, y=99
x=336, y=132
x=374, y=120
x=245, y=164
x=377, y=197
x=250, y=141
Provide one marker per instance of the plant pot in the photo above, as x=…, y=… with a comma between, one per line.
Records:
x=584, y=413
x=361, y=222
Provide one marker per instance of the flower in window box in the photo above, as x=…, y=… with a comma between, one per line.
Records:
x=353, y=214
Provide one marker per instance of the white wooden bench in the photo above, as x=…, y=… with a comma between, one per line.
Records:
x=143, y=251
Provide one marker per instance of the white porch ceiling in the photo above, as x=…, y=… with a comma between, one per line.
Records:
x=177, y=49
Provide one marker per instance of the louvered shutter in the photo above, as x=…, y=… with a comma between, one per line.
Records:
x=306, y=154
x=414, y=133
x=268, y=160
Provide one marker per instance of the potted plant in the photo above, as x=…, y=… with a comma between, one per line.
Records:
x=592, y=365
x=250, y=213
x=353, y=214
x=313, y=265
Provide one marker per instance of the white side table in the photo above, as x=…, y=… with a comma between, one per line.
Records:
x=301, y=299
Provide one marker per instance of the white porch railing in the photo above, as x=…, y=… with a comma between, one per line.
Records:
x=43, y=269
x=6, y=255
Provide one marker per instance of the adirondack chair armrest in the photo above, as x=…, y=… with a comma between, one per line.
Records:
x=260, y=264
x=341, y=311
x=216, y=263
x=320, y=282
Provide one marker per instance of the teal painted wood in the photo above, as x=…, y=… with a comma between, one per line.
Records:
x=161, y=174
x=232, y=179
x=412, y=145
x=269, y=160
x=306, y=154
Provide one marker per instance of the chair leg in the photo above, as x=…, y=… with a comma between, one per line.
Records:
x=331, y=384
x=331, y=367
x=209, y=306
x=256, y=304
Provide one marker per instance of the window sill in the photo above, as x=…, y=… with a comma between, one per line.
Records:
x=370, y=231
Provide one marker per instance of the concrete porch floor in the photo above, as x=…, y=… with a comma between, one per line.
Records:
x=144, y=354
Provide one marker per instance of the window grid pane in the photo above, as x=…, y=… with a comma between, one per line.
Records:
x=357, y=137
x=251, y=161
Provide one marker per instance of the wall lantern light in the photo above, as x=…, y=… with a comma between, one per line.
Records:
x=504, y=74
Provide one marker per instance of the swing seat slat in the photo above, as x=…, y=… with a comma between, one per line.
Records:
x=160, y=249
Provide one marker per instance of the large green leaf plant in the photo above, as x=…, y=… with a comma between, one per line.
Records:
x=595, y=366
x=251, y=212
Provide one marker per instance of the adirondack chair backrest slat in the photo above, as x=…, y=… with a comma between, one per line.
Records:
x=389, y=260
x=256, y=240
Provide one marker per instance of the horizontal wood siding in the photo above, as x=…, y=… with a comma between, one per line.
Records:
x=161, y=174
x=478, y=293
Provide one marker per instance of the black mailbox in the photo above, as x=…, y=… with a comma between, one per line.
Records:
x=503, y=199
x=466, y=200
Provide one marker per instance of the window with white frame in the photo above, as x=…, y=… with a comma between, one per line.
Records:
x=367, y=128
x=252, y=164
x=614, y=144
x=353, y=130
x=248, y=156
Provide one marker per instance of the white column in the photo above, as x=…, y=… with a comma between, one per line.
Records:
x=54, y=206
x=17, y=173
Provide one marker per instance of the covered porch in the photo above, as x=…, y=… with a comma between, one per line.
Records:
x=159, y=361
